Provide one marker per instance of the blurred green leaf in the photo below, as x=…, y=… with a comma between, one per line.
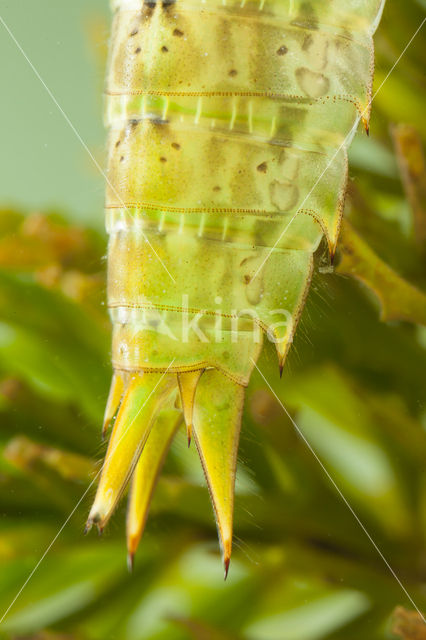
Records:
x=311, y=621
x=398, y=299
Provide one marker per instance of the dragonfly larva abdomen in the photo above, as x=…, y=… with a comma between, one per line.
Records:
x=229, y=123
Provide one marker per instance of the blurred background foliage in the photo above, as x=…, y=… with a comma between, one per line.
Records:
x=302, y=567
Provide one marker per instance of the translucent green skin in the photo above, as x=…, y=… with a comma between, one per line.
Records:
x=229, y=124
x=223, y=117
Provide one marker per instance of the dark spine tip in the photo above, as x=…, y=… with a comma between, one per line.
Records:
x=367, y=129
x=226, y=565
x=130, y=562
x=87, y=527
x=281, y=370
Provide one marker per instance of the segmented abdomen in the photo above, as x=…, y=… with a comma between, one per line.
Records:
x=229, y=122
x=227, y=119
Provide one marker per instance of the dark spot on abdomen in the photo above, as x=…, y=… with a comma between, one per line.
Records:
x=158, y=121
x=307, y=17
x=307, y=42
